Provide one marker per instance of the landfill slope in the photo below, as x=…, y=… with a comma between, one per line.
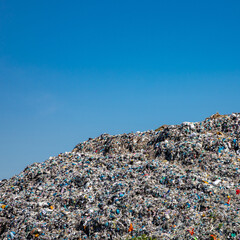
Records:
x=178, y=182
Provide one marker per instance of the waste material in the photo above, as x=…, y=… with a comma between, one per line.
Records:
x=177, y=182
x=130, y=228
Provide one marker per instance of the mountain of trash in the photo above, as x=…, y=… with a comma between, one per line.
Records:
x=177, y=182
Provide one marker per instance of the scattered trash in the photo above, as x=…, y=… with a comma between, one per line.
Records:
x=130, y=228
x=179, y=182
x=191, y=231
x=213, y=237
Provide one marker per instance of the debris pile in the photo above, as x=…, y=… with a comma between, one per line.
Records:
x=178, y=182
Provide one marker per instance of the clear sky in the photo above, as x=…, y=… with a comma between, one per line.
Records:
x=70, y=70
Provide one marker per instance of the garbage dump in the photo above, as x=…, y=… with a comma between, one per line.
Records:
x=176, y=182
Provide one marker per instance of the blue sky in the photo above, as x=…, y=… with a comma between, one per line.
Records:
x=70, y=70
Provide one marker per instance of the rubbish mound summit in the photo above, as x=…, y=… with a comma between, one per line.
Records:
x=176, y=182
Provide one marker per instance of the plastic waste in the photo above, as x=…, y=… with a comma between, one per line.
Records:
x=179, y=182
